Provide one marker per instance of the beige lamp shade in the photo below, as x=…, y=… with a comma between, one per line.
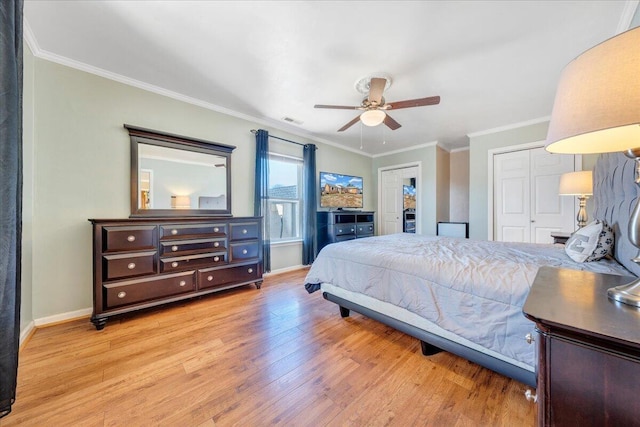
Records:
x=373, y=117
x=597, y=104
x=576, y=184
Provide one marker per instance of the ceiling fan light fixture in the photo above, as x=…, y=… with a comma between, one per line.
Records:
x=372, y=117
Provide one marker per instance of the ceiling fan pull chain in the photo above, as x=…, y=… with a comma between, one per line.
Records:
x=361, y=135
x=384, y=140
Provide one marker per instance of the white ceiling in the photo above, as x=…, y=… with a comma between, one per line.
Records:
x=494, y=63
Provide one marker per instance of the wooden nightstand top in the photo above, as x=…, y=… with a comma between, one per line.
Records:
x=577, y=301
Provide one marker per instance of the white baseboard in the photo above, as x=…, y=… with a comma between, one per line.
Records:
x=24, y=334
x=285, y=270
x=43, y=321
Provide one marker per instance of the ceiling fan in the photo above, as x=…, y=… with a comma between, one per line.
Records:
x=375, y=107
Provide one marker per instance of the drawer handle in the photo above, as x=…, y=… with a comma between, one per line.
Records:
x=339, y=230
x=216, y=229
x=174, y=248
x=216, y=244
x=250, y=270
x=131, y=238
x=174, y=264
x=352, y=229
x=122, y=294
x=174, y=231
x=529, y=338
x=216, y=258
x=244, y=252
x=183, y=283
x=131, y=265
x=210, y=278
x=244, y=231
x=530, y=396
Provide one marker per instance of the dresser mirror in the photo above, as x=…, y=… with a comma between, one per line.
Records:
x=174, y=175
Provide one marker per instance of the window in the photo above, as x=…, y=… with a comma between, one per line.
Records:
x=285, y=198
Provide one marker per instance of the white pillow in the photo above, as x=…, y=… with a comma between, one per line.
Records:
x=585, y=244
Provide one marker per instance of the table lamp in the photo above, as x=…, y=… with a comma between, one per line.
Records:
x=597, y=110
x=578, y=184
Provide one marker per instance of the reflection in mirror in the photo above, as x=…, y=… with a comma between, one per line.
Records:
x=178, y=179
x=174, y=175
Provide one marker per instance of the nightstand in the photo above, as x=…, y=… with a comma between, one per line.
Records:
x=560, y=237
x=588, y=350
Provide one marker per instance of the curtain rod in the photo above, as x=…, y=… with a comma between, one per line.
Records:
x=253, y=131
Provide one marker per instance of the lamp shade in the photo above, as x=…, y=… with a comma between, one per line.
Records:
x=576, y=184
x=373, y=117
x=597, y=104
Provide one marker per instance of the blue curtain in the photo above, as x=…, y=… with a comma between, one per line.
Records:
x=310, y=203
x=261, y=199
x=11, y=196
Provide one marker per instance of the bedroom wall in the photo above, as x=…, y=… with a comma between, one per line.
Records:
x=478, y=169
x=428, y=190
x=459, y=182
x=26, y=303
x=81, y=170
x=443, y=193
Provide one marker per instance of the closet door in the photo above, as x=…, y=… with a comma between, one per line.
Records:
x=527, y=207
x=391, y=206
x=512, y=197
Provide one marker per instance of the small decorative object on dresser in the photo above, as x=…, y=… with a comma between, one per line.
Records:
x=588, y=350
x=144, y=262
x=338, y=226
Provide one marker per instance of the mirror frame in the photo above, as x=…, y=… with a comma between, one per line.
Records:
x=146, y=136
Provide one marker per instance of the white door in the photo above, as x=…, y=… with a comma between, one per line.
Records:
x=391, y=203
x=512, y=197
x=527, y=206
x=550, y=212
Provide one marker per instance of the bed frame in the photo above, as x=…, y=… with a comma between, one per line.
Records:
x=432, y=344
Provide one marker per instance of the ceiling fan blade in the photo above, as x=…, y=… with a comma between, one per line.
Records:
x=337, y=107
x=351, y=123
x=391, y=123
x=376, y=87
x=431, y=100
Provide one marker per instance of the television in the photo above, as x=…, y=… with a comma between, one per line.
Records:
x=340, y=191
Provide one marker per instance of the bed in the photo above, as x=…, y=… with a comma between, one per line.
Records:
x=466, y=296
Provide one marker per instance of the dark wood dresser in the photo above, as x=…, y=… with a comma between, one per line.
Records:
x=588, y=350
x=338, y=226
x=144, y=262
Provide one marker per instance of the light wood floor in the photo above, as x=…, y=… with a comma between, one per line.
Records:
x=253, y=357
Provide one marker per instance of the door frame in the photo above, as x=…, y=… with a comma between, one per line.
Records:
x=577, y=166
x=417, y=164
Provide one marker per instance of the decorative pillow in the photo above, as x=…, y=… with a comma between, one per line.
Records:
x=590, y=243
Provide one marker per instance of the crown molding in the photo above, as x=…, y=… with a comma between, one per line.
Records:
x=509, y=127
x=402, y=150
x=457, y=150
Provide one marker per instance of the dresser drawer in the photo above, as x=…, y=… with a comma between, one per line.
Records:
x=341, y=229
x=213, y=278
x=136, y=291
x=244, y=251
x=196, y=246
x=192, y=262
x=245, y=230
x=133, y=238
x=120, y=266
x=173, y=231
x=365, y=229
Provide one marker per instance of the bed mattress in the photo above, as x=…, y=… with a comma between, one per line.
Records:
x=468, y=291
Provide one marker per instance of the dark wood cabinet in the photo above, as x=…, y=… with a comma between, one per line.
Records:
x=338, y=226
x=144, y=262
x=588, y=350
